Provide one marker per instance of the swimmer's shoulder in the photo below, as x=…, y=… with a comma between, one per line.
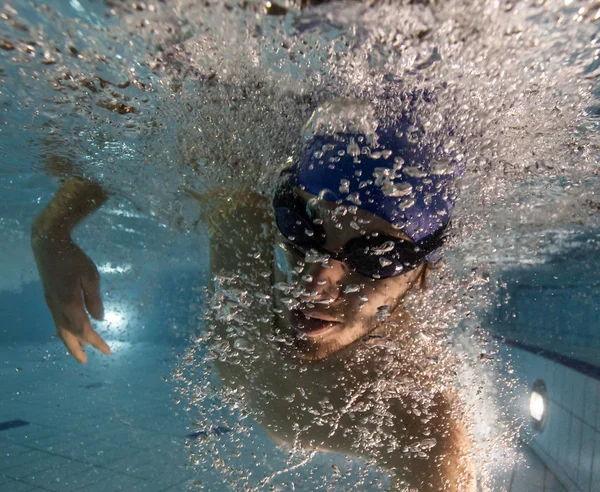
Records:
x=223, y=209
x=240, y=227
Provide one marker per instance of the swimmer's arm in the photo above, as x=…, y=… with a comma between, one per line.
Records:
x=239, y=224
x=220, y=205
x=69, y=278
x=448, y=465
x=73, y=202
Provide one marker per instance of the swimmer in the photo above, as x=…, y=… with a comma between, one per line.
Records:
x=378, y=218
x=359, y=219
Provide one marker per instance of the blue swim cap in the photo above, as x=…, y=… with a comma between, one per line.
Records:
x=390, y=173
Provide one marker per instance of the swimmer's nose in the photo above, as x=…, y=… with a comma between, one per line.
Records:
x=322, y=284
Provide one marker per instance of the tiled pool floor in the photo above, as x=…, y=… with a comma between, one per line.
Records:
x=104, y=426
x=113, y=425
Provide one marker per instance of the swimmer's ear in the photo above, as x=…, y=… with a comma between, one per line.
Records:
x=426, y=270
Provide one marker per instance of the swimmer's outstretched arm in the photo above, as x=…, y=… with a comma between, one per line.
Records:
x=69, y=277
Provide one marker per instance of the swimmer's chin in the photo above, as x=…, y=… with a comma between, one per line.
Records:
x=298, y=348
x=294, y=351
x=309, y=357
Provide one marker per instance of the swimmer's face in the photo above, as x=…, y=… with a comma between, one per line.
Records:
x=329, y=305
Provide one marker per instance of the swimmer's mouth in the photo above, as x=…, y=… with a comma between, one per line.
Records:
x=312, y=324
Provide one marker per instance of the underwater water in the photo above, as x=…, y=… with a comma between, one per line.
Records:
x=179, y=111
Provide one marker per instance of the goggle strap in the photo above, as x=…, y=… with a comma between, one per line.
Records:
x=434, y=241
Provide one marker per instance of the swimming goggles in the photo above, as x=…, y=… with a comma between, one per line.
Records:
x=374, y=255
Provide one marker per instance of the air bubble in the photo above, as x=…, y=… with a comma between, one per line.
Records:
x=384, y=262
x=283, y=287
x=243, y=345
x=354, y=198
x=290, y=303
x=414, y=172
x=344, y=186
x=386, y=247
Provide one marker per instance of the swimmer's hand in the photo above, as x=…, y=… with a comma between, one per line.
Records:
x=70, y=279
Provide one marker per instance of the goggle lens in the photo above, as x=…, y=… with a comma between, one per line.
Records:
x=377, y=257
x=298, y=229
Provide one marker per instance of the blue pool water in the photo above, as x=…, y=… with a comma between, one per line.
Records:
x=122, y=94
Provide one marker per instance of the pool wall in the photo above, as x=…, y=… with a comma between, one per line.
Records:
x=570, y=442
x=548, y=322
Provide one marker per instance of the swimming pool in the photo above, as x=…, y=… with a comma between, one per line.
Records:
x=162, y=103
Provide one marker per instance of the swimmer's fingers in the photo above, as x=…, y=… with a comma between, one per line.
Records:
x=73, y=346
x=81, y=328
x=69, y=339
x=96, y=341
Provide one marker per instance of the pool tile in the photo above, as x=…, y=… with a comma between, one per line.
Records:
x=553, y=430
x=17, y=486
x=24, y=471
x=11, y=449
x=528, y=478
x=557, y=394
x=591, y=396
x=551, y=483
x=595, y=485
x=82, y=481
x=574, y=391
x=150, y=470
x=135, y=461
x=584, y=471
x=68, y=477
x=103, y=453
x=116, y=482
x=21, y=459
x=573, y=450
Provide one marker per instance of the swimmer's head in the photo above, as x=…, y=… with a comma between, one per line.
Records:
x=405, y=182
x=359, y=217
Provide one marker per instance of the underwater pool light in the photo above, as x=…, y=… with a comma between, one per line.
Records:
x=110, y=268
x=114, y=318
x=117, y=318
x=538, y=405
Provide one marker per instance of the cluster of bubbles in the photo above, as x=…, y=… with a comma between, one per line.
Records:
x=206, y=95
x=164, y=102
